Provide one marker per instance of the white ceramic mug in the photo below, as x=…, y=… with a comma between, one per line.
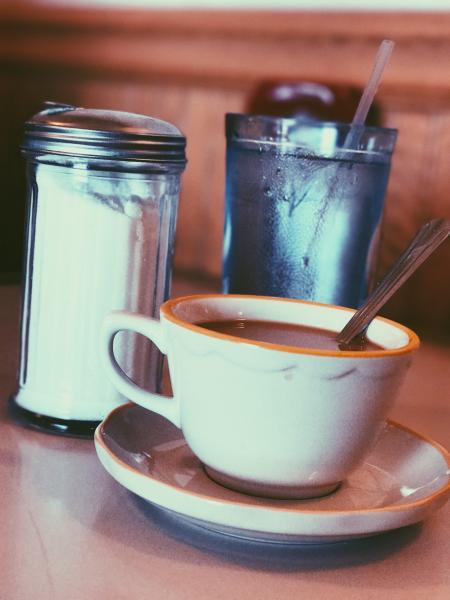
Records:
x=263, y=418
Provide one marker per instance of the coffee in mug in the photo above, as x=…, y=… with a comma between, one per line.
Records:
x=287, y=334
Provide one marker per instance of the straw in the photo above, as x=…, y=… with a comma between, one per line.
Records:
x=381, y=59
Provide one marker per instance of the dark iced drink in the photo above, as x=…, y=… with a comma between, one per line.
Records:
x=303, y=212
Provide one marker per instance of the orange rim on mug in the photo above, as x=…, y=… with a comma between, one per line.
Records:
x=167, y=309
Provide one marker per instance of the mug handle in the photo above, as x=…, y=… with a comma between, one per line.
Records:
x=116, y=321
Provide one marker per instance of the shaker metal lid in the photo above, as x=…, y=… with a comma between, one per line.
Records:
x=92, y=133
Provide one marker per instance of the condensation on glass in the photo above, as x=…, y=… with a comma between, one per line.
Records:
x=303, y=207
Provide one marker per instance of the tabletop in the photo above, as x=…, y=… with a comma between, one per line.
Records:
x=70, y=531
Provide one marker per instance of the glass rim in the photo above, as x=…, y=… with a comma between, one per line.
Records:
x=233, y=118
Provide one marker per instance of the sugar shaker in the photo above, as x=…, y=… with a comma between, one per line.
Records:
x=102, y=195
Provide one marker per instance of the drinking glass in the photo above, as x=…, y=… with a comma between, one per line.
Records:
x=303, y=210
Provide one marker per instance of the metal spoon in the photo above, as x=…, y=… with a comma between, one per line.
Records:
x=428, y=238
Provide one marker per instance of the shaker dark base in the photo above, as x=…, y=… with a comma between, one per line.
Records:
x=44, y=423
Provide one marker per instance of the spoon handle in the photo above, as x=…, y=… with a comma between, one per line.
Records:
x=428, y=238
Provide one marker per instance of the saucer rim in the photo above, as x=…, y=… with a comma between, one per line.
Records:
x=409, y=506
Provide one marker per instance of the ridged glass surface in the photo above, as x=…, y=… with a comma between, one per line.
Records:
x=97, y=241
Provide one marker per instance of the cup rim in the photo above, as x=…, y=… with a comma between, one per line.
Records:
x=167, y=310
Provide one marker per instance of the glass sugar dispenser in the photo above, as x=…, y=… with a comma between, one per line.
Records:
x=102, y=193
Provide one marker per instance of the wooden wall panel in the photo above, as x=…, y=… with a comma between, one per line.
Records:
x=191, y=68
x=419, y=191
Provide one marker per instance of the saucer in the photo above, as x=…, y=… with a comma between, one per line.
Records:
x=404, y=479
